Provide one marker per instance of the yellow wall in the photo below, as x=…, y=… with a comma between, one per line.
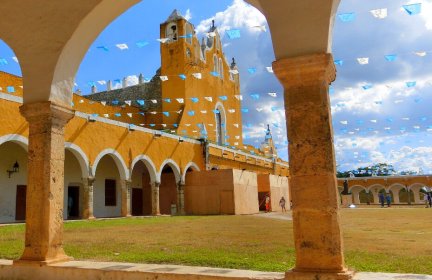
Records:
x=94, y=137
x=175, y=61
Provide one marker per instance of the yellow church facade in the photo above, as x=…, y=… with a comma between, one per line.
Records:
x=115, y=166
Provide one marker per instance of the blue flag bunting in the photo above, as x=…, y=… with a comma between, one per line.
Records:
x=411, y=84
x=339, y=62
x=194, y=100
x=346, y=17
x=10, y=89
x=390, y=57
x=3, y=61
x=255, y=96
x=182, y=76
x=142, y=44
x=413, y=9
x=252, y=70
x=103, y=48
x=191, y=113
x=140, y=102
x=233, y=33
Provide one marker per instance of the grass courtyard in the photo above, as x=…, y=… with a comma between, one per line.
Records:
x=387, y=240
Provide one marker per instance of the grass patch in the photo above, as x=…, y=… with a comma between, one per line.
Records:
x=386, y=240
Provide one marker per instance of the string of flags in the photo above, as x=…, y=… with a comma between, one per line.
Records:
x=387, y=57
x=410, y=9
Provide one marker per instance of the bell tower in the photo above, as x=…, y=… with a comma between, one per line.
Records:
x=176, y=37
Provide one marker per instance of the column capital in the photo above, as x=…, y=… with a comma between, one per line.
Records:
x=89, y=181
x=305, y=70
x=47, y=111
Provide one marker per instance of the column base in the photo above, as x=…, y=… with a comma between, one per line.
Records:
x=60, y=259
x=314, y=275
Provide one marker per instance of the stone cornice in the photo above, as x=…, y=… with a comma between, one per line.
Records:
x=46, y=111
x=314, y=69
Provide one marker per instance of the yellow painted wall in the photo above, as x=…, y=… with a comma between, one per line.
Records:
x=175, y=61
x=94, y=137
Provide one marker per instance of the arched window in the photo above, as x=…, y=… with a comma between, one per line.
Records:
x=220, y=124
x=189, y=33
x=221, y=73
x=171, y=31
x=215, y=64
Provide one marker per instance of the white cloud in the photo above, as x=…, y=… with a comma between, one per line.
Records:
x=238, y=15
x=132, y=80
x=188, y=15
x=356, y=100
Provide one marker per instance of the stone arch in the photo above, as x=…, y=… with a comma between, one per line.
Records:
x=192, y=165
x=151, y=168
x=374, y=189
x=356, y=187
x=121, y=165
x=15, y=138
x=220, y=121
x=285, y=18
x=174, y=166
x=395, y=190
x=67, y=38
x=81, y=157
x=415, y=188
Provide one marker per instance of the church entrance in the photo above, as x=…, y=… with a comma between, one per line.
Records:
x=137, y=202
x=20, y=208
x=73, y=203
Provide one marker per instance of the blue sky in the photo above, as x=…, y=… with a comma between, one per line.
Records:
x=389, y=122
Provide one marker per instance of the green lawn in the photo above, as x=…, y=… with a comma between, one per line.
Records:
x=388, y=240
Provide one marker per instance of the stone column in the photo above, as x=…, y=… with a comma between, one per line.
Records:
x=87, y=198
x=417, y=197
x=356, y=196
x=126, y=198
x=396, y=199
x=155, y=198
x=180, y=199
x=45, y=190
x=375, y=197
x=316, y=221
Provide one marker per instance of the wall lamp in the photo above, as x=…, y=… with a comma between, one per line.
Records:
x=131, y=127
x=157, y=135
x=91, y=119
x=181, y=140
x=15, y=169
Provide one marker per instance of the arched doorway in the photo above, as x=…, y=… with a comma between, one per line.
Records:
x=169, y=180
x=107, y=193
x=143, y=174
x=73, y=191
x=13, y=185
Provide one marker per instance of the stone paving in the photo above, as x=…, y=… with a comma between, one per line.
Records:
x=106, y=270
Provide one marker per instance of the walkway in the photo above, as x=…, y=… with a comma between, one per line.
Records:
x=130, y=271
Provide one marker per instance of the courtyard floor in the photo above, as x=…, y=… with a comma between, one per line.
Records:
x=397, y=240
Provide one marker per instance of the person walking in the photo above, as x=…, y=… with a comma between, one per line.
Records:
x=388, y=199
x=426, y=199
x=267, y=203
x=381, y=199
x=282, y=204
x=430, y=199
